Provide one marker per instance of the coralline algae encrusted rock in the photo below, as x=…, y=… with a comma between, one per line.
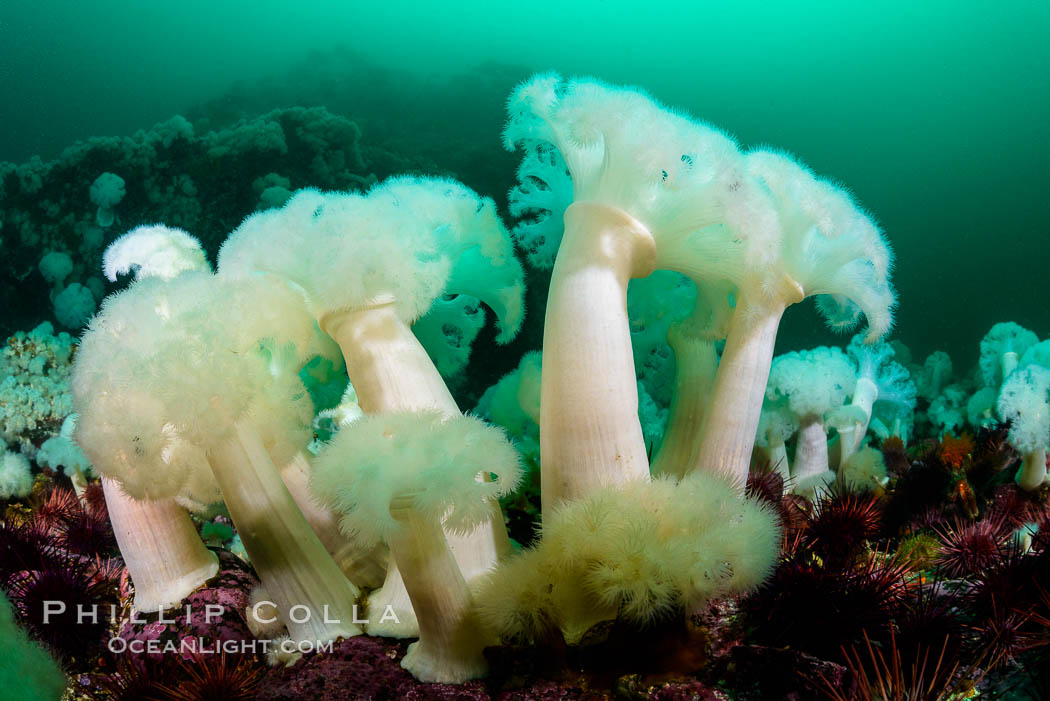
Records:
x=34, y=387
x=365, y=667
x=227, y=593
x=361, y=667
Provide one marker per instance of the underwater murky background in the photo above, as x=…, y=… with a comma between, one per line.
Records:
x=934, y=114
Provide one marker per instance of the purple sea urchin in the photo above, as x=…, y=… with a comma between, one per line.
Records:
x=818, y=609
x=841, y=526
x=49, y=602
x=969, y=548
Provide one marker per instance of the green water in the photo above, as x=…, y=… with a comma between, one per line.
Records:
x=935, y=114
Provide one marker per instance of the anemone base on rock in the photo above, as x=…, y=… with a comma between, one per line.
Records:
x=227, y=592
x=428, y=664
x=160, y=546
x=450, y=642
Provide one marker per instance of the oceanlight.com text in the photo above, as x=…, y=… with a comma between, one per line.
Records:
x=204, y=646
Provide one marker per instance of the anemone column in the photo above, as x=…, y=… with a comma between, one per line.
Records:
x=313, y=597
x=589, y=431
x=728, y=435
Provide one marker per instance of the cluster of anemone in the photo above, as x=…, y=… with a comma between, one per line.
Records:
x=941, y=578
x=653, y=190
x=189, y=387
x=832, y=407
x=673, y=255
x=237, y=427
x=1010, y=387
x=34, y=393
